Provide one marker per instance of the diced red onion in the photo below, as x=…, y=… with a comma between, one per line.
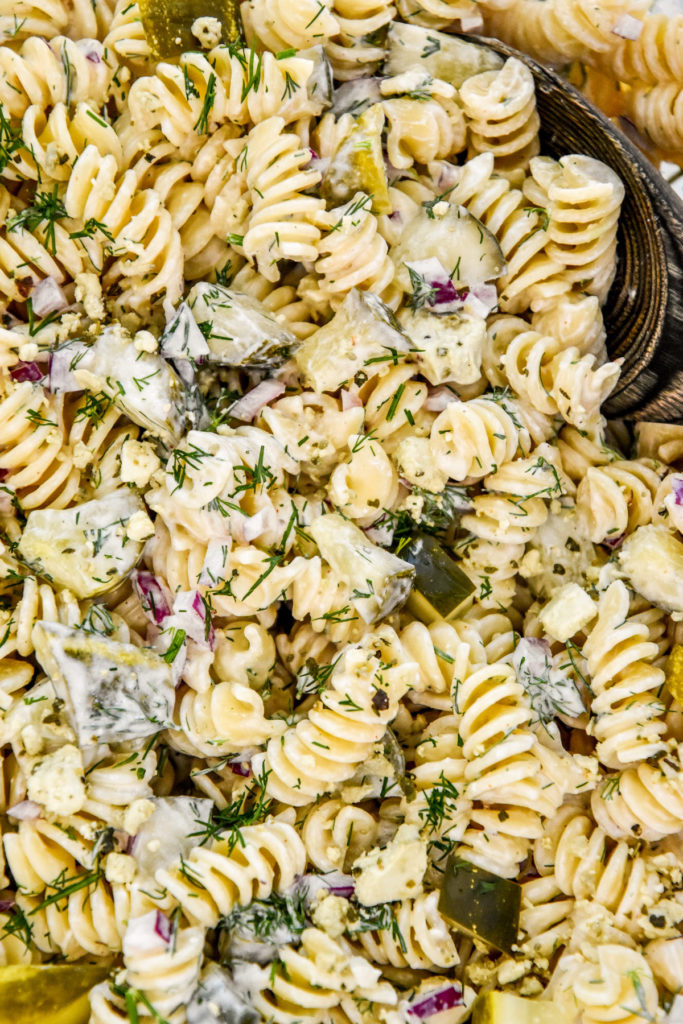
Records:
x=152, y=594
x=249, y=406
x=48, y=297
x=255, y=525
x=6, y=496
x=62, y=364
x=6, y=906
x=22, y=371
x=335, y=883
x=446, y=298
x=163, y=926
x=437, y=1002
x=4, y=473
x=214, y=562
x=91, y=49
x=148, y=933
x=439, y=398
x=627, y=27
x=25, y=810
x=613, y=542
x=481, y=300
x=677, y=489
x=240, y=768
x=350, y=400
x=189, y=613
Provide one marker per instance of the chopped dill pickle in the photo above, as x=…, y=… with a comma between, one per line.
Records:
x=54, y=994
x=674, y=673
x=506, y=1008
x=358, y=164
x=168, y=23
x=480, y=903
x=443, y=56
x=441, y=587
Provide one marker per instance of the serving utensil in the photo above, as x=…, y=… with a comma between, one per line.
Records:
x=644, y=309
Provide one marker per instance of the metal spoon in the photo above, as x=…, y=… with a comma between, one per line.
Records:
x=644, y=309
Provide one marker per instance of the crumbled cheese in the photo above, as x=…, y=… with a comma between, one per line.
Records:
x=120, y=867
x=568, y=611
x=89, y=292
x=82, y=455
x=144, y=341
x=512, y=970
x=136, y=815
x=138, y=462
x=57, y=782
x=394, y=872
x=207, y=31
x=28, y=351
x=331, y=915
x=415, y=462
x=448, y=347
x=140, y=526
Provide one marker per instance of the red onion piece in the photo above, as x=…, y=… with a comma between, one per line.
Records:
x=445, y=297
x=152, y=594
x=4, y=473
x=62, y=364
x=240, y=768
x=48, y=297
x=148, y=933
x=439, y=398
x=677, y=489
x=189, y=614
x=163, y=926
x=25, y=810
x=6, y=906
x=482, y=300
x=437, y=1002
x=627, y=27
x=255, y=525
x=613, y=542
x=350, y=400
x=249, y=406
x=22, y=371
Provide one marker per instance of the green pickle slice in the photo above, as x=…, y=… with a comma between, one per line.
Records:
x=480, y=903
x=55, y=994
x=441, y=588
x=441, y=55
x=168, y=23
x=506, y=1008
x=358, y=164
x=674, y=673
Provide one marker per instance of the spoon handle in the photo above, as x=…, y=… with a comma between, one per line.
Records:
x=644, y=309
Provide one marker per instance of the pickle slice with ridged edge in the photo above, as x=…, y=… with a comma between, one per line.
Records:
x=168, y=23
x=480, y=903
x=674, y=673
x=358, y=164
x=447, y=57
x=55, y=994
x=441, y=589
x=506, y=1008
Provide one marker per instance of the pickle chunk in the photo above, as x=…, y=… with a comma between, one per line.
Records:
x=112, y=691
x=55, y=994
x=88, y=548
x=168, y=23
x=381, y=581
x=238, y=328
x=441, y=588
x=480, y=903
x=357, y=343
x=506, y=1008
x=358, y=164
x=442, y=56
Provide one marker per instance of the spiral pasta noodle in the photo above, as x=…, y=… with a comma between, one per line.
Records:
x=500, y=108
x=614, y=499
